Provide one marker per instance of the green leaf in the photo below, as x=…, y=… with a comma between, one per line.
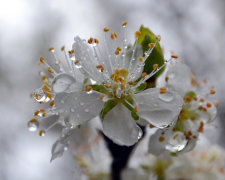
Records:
x=131, y=109
x=101, y=89
x=190, y=94
x=109, y=105
x=140, y=88
x=156, y=57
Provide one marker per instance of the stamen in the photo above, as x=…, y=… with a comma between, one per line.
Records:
x=174, y=56
x=212, y=91
x=137, y=34
x=155, y=66
x=51, y=49
x=108, y=86
x=151, y=45
x=131, y=82
x=162, y=90
x=161, y=138
x=141, y=59
x=90, y=40
x=166, y=78
x=88, y=89
x=143, y=75
x=52, y=103
x=124, y=23
x=158, y=38
x=106, y=29
x=151, y=126
x=136, y=109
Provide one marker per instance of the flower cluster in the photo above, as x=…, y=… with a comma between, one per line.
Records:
x=104, y=79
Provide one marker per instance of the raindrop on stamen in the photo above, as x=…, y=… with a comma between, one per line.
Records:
x=167, y=97
x=33, y=125
x=177, y=142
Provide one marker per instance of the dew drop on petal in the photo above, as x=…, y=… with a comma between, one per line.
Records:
x=177, y=142
x=89, y=92
x=140, y=133
x=86, y=110
x=62, y=82
x=72, y=110
x=33, y=125
x=62, y=101
x=40, y=96
x=81, y=103
x=167, y=97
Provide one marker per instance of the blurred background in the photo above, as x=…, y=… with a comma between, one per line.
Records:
x=194, y=29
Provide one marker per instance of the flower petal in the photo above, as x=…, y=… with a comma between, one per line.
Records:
x=179, y=78
x=78, y=107
x=158, y=109
x=119, y=126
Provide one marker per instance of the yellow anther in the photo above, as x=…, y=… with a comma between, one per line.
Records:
x=100, y=67
x=46, y=88
x=106, y=29
x=200, y=129
x=77, y=61
x=136, y=109
x=131, y=82
x=71, y=51
x=62, y=48
x=42, y=59
x=143, y=74
x=137, y=34
x=166, y=78
x=158, y=38
x=96, y=41
x=88, y=88
x=174, y=56
x=155, y=66
x=114, y=35
x=119, y=48
x=201, y=100
x=124, y=72
x=33, y=120
x=50, y=70
x=124, y=23
x=52, y=103
x=117, y=52
x=151, y=45
x=49, y=95
x=195, y=98
x=141, y=59
x=90, y=41
x=42, y=110
x=36, y=112
x=41, y=133
x=151, y=126
x=161, y=138
x=162, y=90
x=108, y=86
x=51, y=49
x=212, y=91
x=209, y=105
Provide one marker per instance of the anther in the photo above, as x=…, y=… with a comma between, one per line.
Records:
x=106, y=29
x=36, y=112
x=88, y=88
x=151, y=45
x=162, y=90
x=131, y=82
x=155, y=66
x=141, y=59
x=174, y=56
x=52, y=103
x=166, y=78
x=71, y=51
x=50, y=70
x=137, y=34
x=51, y=49
x=212, y=91
x=42, y=59
x=77, y=61
x=161, y=138
x=41, y=133
x=136, y=109
x=108, y=86
x=144, y=74
x=209, y=105
x=151, y=126
x=96, y=41
x=124, y=23
x=158, y=38
x=62, y=48
x=90, y=41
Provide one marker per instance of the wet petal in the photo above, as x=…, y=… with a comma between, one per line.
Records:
x=61, y=145
x=78, y=107
x=158, y=109
x=179, y=78
x=119, y=126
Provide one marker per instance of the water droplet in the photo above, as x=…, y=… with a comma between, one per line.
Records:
x=167, y=97
x=72, y=56
x=33, y=125
x=75, y=98
x=140, y=133
x=62, y=101
x=42, y=133
x=118, y=93
x=62, y=82
x=177, y=142
x=78, y=65
x=90, y=91
x=93, y=81
x=72, y=110
x=86, y=110
x=81, y=103
x=40, y=96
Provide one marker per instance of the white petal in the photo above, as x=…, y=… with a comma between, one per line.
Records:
x=119, y=126
x=84, y=53
x=78, y=107
x=157, y=147
x=179, y=76
x=158, y=109
x=61, y=144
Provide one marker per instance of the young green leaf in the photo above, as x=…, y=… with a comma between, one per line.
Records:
x=109, y=105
